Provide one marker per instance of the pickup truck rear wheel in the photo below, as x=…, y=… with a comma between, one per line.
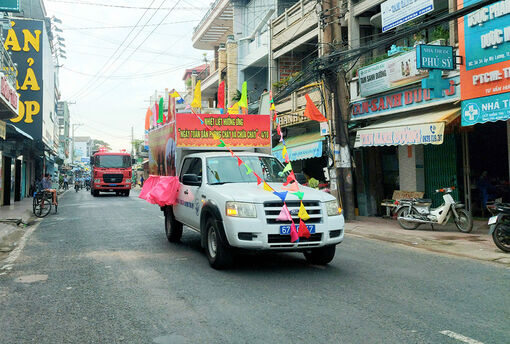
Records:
x=321, y=255
x=218, y=253
x=173, y=228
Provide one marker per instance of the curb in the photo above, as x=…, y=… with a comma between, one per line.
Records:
x=419, y=244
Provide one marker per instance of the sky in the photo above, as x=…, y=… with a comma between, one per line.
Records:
x=119, y=53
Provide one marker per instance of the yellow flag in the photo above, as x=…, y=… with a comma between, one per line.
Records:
x=175, y=95
x=234, y=109
x=216, y=136
x=284, y=151
x=243, y=102
x=303, y=215
x=197, y=99
x=267, y=187
x=272, y=107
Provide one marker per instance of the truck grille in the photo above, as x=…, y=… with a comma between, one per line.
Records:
x=273, y=208
x=112, y=178
x=285, y=239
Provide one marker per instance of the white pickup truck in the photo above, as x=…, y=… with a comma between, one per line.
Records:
x=232, y=213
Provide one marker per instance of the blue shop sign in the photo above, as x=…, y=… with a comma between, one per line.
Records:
x=434, y=57
x=305, y=151
x=486, y=109
x=486, y=35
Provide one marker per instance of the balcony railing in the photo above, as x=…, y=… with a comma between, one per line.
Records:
x=206, y=15
x=294, y=22
x=7, y=66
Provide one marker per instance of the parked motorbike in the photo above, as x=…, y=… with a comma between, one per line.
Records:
x=411, y=213
x=500, y=226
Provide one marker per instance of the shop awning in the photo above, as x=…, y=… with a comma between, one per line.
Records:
x=299, y=147
x=422, y=129
x=15, y=132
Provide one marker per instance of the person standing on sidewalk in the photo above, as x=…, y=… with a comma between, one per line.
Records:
x=46, y=185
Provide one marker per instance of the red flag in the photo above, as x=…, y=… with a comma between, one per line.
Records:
x=290, y=178
x=239, y=162
x=312, y=112
x=148, y=119
x=293, y=233
x=259, y=180
x=303, y=230
x=221, y=95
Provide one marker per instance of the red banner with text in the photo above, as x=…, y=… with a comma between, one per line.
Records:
x=203, y=130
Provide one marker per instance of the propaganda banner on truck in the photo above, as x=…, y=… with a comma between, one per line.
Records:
x=234, y=130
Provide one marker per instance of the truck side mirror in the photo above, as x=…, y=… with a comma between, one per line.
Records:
x=191, y=179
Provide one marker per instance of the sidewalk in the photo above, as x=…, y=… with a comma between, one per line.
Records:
x=14, y=220
x=443, y=239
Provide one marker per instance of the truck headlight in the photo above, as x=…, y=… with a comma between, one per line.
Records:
x=97, y=180
x=241, y=209
x=332, y=208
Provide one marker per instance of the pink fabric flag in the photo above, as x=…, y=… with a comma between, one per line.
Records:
x=165, y=191
x=293, y=233
x=147, y=187
x=292, y=187
x=290, y=178
x=284, y=214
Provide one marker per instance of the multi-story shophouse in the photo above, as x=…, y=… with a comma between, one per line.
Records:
x=30, y=43
x=407, y=138
x=9, y=137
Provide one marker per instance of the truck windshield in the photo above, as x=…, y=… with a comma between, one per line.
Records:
x=112, y=161
x=225, y=169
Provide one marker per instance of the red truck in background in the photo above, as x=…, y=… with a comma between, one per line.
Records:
x=111, y=172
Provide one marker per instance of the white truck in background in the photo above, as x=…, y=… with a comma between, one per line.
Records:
x=224, y=204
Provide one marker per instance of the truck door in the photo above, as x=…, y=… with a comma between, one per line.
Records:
x=189, y=202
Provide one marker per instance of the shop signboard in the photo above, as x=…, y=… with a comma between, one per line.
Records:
x=392, y=73
x=8, y=95
x=398, y=136
x=398, y=12
x=486, y=109
x=236, y=130
x=305, y=151
x=403, y=100
x=485, y=45
x=10, y=6
x=434, y=57
x=24, y=41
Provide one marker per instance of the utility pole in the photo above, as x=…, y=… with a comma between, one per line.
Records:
x=335, y=79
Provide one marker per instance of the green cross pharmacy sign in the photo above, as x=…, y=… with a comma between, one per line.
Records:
x=9, y=5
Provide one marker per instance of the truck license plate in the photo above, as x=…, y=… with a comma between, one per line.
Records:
x=285, y=229
x=493, y=220
x=112, y=184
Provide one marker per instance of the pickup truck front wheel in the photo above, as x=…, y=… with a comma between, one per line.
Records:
x=173, y=228
x=218, y=253
x=321, y=255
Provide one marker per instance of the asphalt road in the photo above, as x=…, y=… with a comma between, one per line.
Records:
x=102, y=271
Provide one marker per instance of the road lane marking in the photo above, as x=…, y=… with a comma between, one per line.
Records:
x=460, y=337
x=11, y=258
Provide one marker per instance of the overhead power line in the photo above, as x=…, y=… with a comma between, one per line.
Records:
x=107, y=64
x=337, y=59
x=126, y=26
x=124, y=6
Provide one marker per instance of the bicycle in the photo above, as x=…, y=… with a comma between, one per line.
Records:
x=42, y=203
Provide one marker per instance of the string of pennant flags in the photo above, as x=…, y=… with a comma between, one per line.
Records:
x=291, y=185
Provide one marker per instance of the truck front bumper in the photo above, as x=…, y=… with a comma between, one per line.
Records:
x=256, y=234
x=112, y=187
